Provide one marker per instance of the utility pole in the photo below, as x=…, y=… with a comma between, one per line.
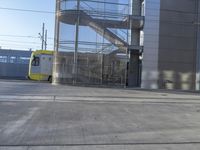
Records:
x=43, y=26
x=43, y=38
x=45, y=42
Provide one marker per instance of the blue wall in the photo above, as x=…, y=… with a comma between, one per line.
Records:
x=14, y=63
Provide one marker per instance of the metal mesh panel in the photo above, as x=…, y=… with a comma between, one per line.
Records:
x=92, y=41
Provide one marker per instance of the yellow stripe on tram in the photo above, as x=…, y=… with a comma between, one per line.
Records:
x=38, y=77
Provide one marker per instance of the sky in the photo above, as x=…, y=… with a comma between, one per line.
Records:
x=19, y=29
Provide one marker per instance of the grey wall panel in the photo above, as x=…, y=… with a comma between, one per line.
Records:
x=170, y=44
x=177, y=44
x=153, y=32
x=179, y=67
x=151, y=24
x=177, y=30
x=186, y=6
x=151, y=44
x=176, y=17
x=179, y=57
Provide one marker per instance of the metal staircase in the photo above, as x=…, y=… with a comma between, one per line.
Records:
x=101, y=25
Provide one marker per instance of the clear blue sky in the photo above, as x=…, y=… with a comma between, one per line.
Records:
x=25, y=23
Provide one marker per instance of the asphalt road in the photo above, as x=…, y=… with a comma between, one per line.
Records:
x=39, y=116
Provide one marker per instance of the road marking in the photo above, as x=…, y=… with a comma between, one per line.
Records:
x=13, y=126
x=98, y=99
x=108, y=102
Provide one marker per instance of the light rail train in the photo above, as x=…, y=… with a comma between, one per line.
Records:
x=40, y=65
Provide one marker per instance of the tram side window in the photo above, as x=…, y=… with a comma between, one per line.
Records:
x=35, y=61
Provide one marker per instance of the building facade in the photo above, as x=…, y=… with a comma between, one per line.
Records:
x=171, y=45
x=14, y=64
x=108, y=42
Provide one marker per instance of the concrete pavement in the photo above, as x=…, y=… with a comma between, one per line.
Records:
x=41, y=116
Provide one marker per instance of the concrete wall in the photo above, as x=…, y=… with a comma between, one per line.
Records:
x=177, y=44
x=151, y=44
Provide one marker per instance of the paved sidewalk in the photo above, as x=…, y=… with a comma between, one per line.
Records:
x=39, y=116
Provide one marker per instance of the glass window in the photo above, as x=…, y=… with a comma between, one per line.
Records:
x=13, y=59
x=35, y=61
x=3, y=59
x=23, y=60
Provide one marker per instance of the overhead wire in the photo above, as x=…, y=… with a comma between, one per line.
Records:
x=22, y=36
x=27, y=10
x=22, y=46
x=24, y=42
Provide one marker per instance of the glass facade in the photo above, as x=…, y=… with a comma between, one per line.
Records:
x=92, y=42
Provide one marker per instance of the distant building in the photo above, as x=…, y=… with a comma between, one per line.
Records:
x=14, y=63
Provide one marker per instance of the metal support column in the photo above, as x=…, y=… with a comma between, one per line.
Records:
x=57, y=26
x=134, y=62
x=75, y=66
x=134, y=69
x=56, y=42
